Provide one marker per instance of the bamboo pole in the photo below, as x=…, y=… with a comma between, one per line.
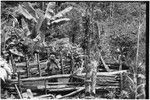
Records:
x=18, y=92
x=68, y=75
x=65, y=83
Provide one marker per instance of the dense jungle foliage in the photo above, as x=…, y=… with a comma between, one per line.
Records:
x=72, y=30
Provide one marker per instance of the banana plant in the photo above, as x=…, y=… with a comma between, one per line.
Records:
x=134, y=89
x=41, y=18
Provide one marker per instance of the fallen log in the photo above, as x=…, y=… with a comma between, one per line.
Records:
x=68, y=75
x=106, y=66
x=72, y=93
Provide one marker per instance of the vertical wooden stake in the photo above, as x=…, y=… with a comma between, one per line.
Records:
x=27, y=66
x=72, y=64
x=38, y=61
x=120, y=68
x=87, y=89
x=35, y=57
x=45, y=86
x=61, y=62
x=19, y=82
x=13, y=64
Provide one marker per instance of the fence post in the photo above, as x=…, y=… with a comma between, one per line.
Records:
x=72, y=64
x=27, y=66
x=38, y=61
x=13, y=64
x=61, y=63
x=19, y=82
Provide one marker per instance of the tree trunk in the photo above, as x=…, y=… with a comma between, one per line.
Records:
x=93, y=79
x=86, y=51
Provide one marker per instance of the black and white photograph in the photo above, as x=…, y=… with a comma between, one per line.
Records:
x=74, y=49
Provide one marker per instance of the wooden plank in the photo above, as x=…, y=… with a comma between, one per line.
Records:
x=68, y=75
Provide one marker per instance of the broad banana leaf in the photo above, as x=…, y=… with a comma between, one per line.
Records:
x=61, y=21
x=16, y=52
x=30, y=9
x=61, y=13
x=25, y=28
x=36, y=30
x=30, y=13
x=49, y=11
x=24, y=12
x=40, y=21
